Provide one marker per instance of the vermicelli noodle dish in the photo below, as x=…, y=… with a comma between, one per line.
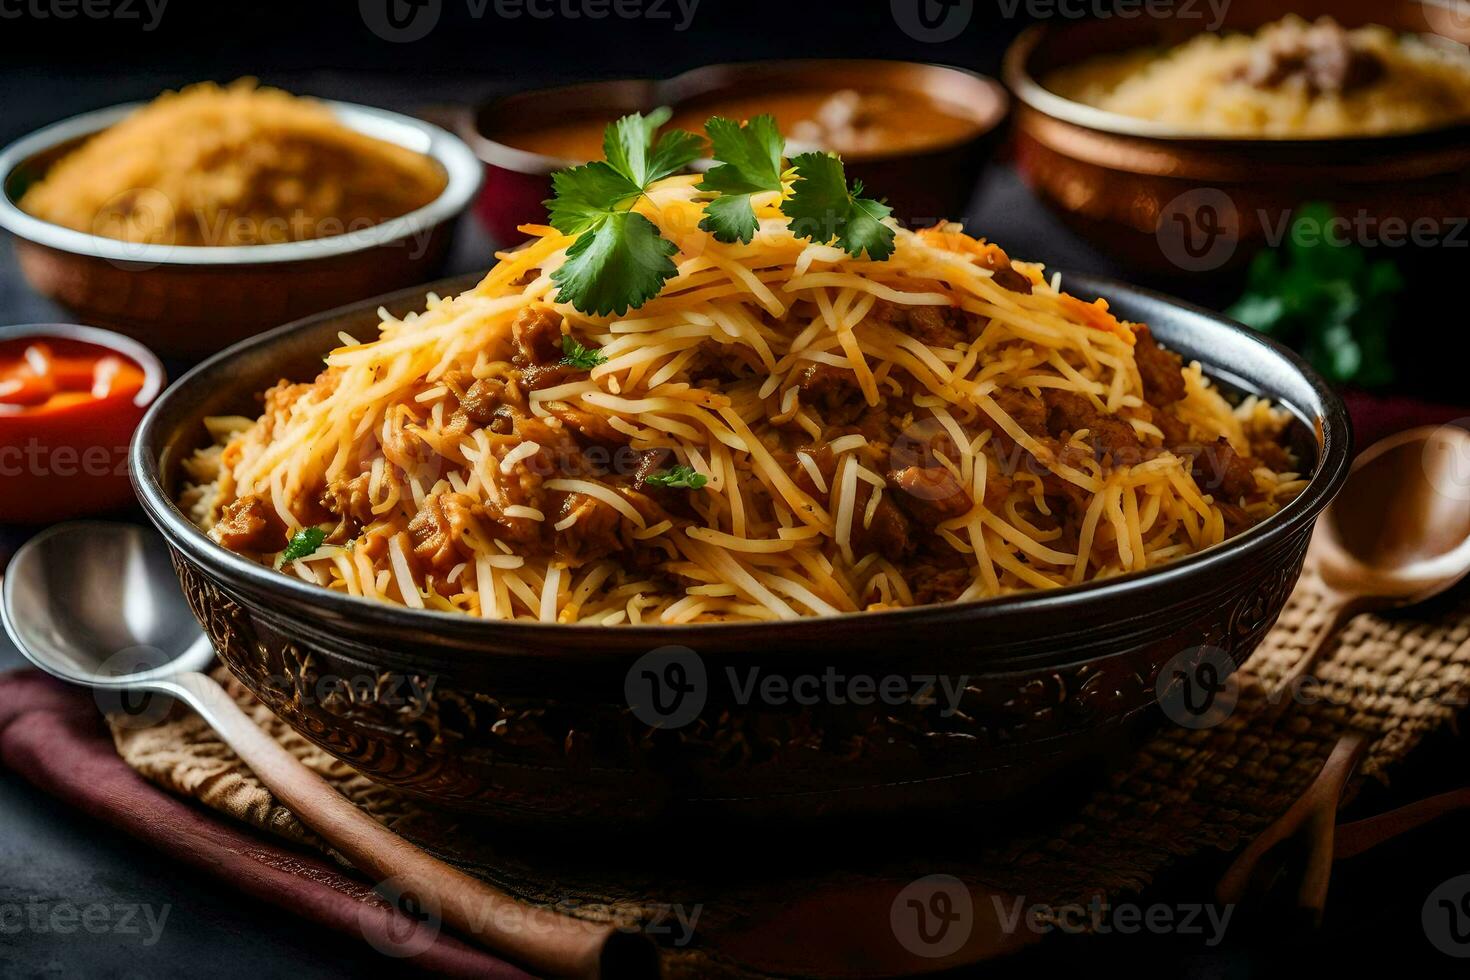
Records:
x=738, y=397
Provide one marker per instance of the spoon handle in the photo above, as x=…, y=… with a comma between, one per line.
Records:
x=1340, y=609
x=545, y=941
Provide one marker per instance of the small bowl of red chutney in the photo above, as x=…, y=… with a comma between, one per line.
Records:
x=70, y=398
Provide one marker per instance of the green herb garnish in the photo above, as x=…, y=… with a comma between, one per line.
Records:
x=303, y=544
x=1322, y=296
x=679, y=477
x=619, y=260
x=577, y=356
x=822, y=208
x=749, y=159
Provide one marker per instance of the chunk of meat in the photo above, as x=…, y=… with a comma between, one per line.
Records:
x=937, y=326
x=1068, y=412
x=929, y=495
x=1162, y=371
x=1028, y=411
x=1220, y=470
x=997, y=488
x=250, y=525
x=349, y=502
x=1005, y=274
x=482, y=403
x=832, y=390
x=439, y=527
x=1323, y=57
x=586, y=427
x=595, y=530
x=888, y=533
x=536, y=334
x=932, y=583
x=537, y=337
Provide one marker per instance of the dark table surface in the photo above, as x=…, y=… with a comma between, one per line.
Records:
x=51, y=857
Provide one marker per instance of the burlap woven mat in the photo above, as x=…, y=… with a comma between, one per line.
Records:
x=1186, y=790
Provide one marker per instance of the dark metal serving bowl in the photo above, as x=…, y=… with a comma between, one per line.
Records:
x=533, y=721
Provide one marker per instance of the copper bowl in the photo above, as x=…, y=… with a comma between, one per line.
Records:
x=922, y=186
x=190, y=301
x=1167, y=201
x=543, y=723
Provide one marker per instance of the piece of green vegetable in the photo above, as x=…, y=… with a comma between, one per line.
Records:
x=822, y=208
x=619, y=260
x=1323, y=296
x=678, y=477
x=304, y=544
x=749, y=162
x=577, y=356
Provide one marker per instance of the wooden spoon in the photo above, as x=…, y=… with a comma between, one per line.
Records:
x=1397, y=534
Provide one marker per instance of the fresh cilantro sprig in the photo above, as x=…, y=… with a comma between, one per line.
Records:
x=573, y=354
x=303, y=544
x=619, y=260
x=822, y=208
x=1324, y=297
x=749, y=162
x=680, y=477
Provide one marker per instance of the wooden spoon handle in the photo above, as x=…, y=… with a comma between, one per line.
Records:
x=1341, y=610
x=550, y=943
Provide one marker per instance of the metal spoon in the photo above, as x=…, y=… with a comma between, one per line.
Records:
x=98, y=604
x=1398, y=534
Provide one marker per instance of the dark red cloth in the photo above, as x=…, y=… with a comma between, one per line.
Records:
x=52, y=735
x=1376, y=416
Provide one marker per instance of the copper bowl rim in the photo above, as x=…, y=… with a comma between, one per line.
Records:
x=707, y=80
x=154, y=376
x=1016, y=73
x=462, y=169
x=1328, y=422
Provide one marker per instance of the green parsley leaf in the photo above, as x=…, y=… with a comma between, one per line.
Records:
x=619, y=260
x=304, y=543
x=577, y=356
x=1323, y=296
x=822, y=208
x=749, y=159
x=621, y=263
x=679, y=477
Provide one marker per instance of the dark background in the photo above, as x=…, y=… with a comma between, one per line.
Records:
x=51, y=68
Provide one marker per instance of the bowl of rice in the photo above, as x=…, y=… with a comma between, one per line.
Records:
x=992, y=507
x=214, y=212
x=1179, y=144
